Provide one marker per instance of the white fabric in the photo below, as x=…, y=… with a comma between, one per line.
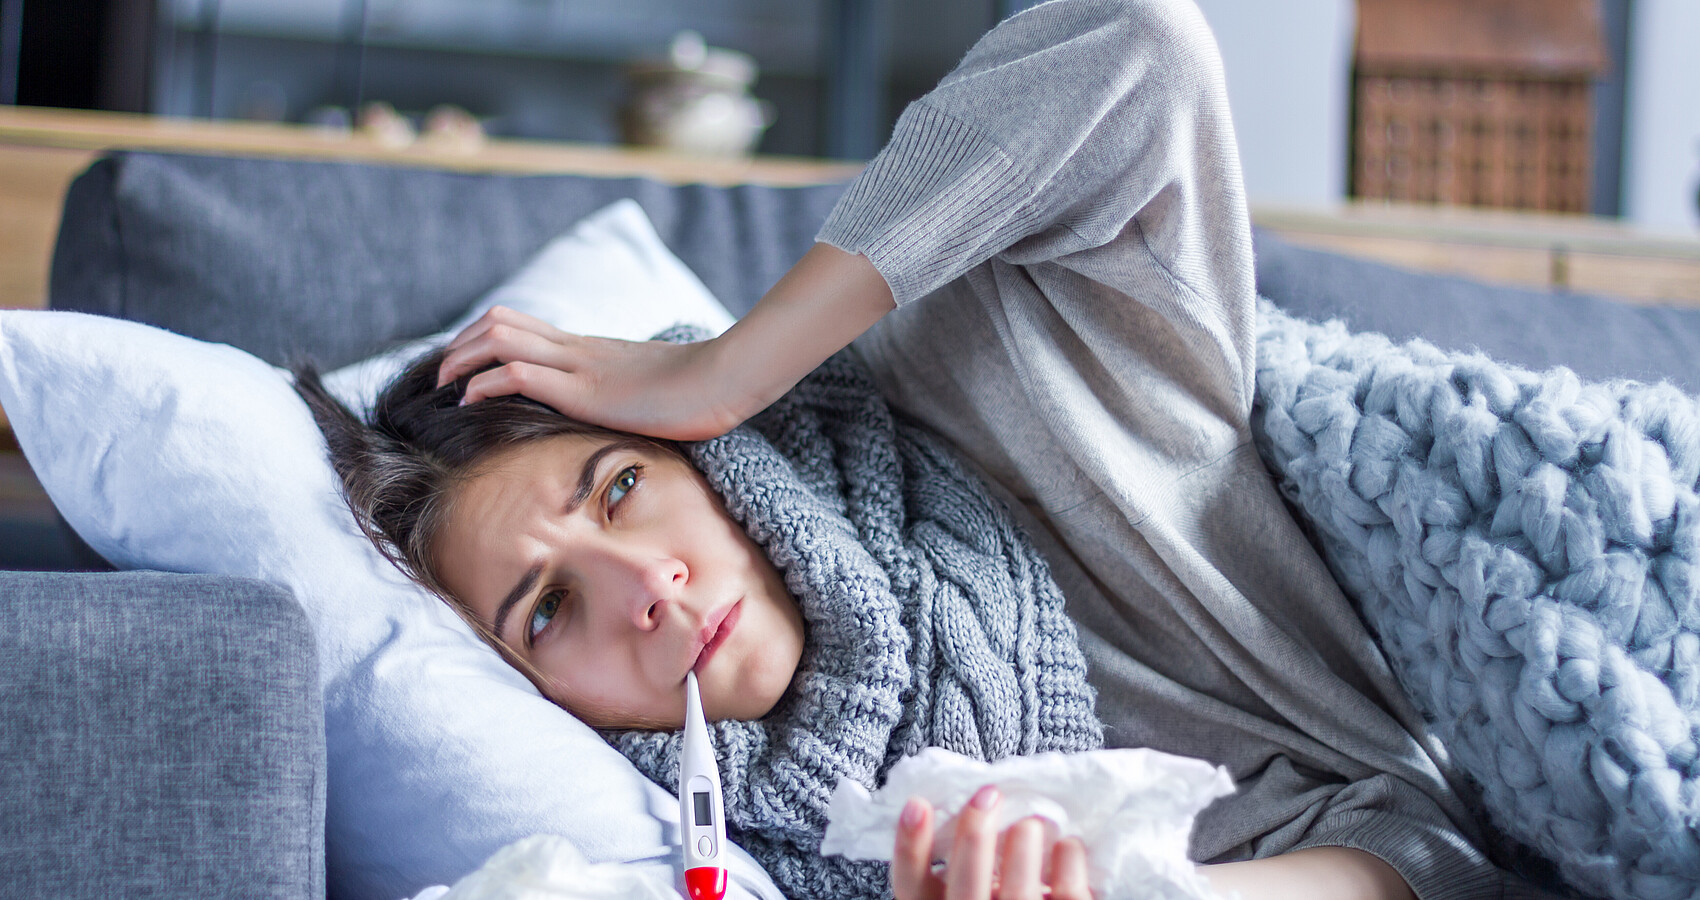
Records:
x=549, y=867
x=169, y=453
x=1132, y=809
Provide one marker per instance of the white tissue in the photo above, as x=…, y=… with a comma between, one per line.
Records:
x=1133, y=809
x=549, y=867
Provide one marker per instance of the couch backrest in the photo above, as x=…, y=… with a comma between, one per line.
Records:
x=333, y=261
x=1597, y=337
x=288, y=258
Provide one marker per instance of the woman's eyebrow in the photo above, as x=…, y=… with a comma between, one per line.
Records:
x=586, y=483
x=527, y=582
x=587, y=475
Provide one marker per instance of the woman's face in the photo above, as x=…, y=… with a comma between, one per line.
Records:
x=614, y=569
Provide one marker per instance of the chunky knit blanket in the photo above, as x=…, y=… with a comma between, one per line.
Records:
x=1524, y=546
x=931, y=621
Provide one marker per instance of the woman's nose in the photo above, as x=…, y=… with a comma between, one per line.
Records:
x=649, y=583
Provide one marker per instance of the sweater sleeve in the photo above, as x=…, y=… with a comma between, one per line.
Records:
x=1058, y=129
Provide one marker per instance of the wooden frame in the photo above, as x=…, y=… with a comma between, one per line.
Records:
x=1476, y=102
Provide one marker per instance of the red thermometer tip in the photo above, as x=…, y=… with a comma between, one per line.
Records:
x=706, y=882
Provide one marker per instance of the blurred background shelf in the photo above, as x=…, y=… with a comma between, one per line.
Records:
x=836, y=70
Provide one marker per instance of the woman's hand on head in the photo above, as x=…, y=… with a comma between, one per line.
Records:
x=652, y=387
x=1021, y=863
x=678, y=391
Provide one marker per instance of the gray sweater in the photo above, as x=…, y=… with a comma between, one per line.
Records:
x=1063, y=225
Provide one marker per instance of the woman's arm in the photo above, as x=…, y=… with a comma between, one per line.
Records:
x=679, y=391
x=1316, y=873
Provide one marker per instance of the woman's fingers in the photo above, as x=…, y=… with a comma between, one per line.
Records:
x=974, y=849
x=1068, y=871
x=657, y=388
x=486, y=340
x=912, y=875
x=1021, y=862
x=556, y=389
x=501, y=315
x=503, y=344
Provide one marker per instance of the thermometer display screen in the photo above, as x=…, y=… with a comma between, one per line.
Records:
x=705, y=813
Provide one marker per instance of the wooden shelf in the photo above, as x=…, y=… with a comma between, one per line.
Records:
x=96, y=131
x=1585, y=254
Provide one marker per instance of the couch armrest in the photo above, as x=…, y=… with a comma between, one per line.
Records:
x=164, y=736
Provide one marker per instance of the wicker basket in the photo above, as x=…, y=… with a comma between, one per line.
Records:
x=1476, y=102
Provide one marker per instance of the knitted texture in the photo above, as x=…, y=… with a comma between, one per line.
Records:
x=931, y=621
x=1524, y=547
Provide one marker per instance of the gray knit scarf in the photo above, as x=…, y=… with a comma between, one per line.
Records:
x=931, y=621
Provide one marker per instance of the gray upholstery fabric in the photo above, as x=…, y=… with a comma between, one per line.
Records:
x=163, y=738
x=335, y=260
x=1596, y=337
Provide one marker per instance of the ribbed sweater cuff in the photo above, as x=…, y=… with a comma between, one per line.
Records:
x=938, y=200
x=1437, y=864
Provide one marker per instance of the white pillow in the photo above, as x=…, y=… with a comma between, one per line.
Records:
x=169, y=453
x=608, y=276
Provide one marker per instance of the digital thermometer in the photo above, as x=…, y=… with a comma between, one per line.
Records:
x=702, y=815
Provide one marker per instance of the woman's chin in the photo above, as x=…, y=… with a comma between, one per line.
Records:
x=747, y=697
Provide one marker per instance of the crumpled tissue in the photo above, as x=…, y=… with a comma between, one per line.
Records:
x=549, y=867
x=1133, y=809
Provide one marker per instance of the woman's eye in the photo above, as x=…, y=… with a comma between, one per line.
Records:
x=623, y=482
x=546, y=610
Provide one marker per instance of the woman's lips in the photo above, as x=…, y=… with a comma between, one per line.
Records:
x=715, y=632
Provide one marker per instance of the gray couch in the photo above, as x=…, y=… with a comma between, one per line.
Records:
x=163, y=733
x=163, y=738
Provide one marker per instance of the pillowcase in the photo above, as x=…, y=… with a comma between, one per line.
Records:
x=168, y=453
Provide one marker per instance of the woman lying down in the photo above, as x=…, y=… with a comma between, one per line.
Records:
x=1023, y=513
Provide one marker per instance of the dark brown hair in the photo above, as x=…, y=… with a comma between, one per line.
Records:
x=399, y=469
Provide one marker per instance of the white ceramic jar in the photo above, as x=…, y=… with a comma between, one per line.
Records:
x=698, y=101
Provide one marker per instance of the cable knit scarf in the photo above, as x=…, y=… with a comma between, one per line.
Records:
x=930, y=621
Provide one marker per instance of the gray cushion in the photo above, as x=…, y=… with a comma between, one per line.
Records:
x=163, y=737
x=1594, y=336
x=334, y=260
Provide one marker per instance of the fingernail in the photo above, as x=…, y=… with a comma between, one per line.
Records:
x=911, y=813
x=985, y=798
